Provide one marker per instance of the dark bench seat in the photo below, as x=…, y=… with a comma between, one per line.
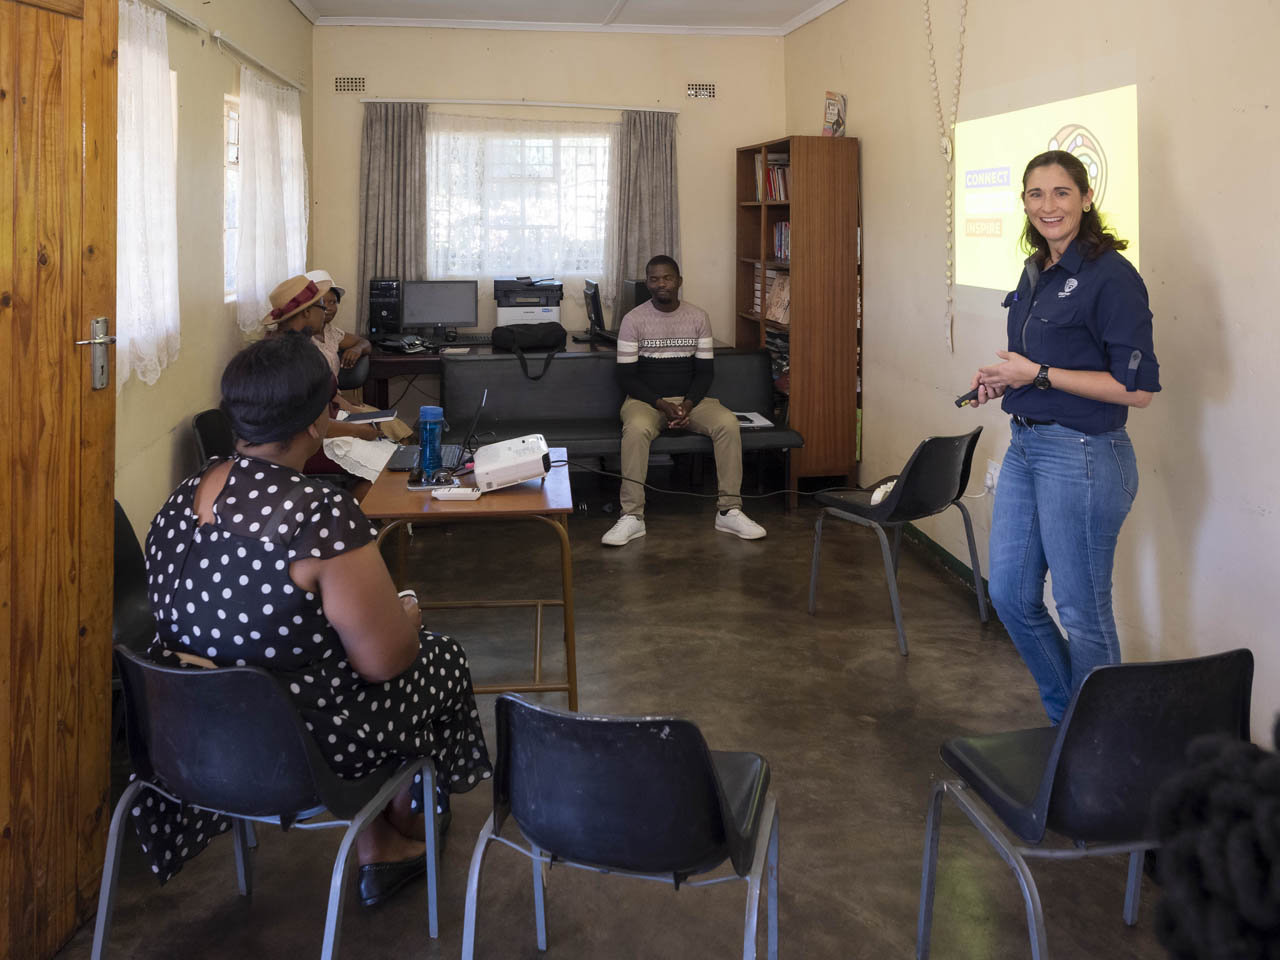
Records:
x=576, y=404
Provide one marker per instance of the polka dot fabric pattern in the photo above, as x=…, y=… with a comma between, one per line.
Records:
x=223, y=591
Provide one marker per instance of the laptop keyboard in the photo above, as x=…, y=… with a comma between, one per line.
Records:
x=469, y=340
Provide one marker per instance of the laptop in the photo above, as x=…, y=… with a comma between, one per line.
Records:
x=452, y=455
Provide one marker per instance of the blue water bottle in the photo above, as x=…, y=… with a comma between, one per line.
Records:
x=430, y=430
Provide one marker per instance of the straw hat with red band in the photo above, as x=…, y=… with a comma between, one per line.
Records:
x=293, y=296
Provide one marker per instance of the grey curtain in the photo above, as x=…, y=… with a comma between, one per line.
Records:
x=648, y=200
x=393, y=196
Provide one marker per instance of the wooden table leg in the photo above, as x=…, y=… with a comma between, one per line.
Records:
x=560, y=525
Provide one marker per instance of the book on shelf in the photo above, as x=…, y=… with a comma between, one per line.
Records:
x=778, y=182
x=759, y=180
x=778, y=306
x=833, y=114
x=782, y=240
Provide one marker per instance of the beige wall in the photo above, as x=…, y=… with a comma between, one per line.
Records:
x=644, y=71
x=1198, y=555
x=153, y=424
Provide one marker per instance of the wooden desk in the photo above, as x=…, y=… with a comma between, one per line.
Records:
x=385, y=364
x=549, y=501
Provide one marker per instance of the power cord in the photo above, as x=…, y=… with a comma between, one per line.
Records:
x=704, y=496
x=409, y=386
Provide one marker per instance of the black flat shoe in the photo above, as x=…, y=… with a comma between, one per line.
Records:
x=381, y=881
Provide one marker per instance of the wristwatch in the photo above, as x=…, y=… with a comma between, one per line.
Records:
x=1042, y=378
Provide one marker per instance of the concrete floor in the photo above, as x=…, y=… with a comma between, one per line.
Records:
x=694, y=623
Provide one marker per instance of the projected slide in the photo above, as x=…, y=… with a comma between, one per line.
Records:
x=991, y=153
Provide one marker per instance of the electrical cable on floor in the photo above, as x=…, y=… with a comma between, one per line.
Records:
x=705, y=496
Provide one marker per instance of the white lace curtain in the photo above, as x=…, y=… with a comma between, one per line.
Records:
x=520, y=197
x=147, y=337
x=273, y=194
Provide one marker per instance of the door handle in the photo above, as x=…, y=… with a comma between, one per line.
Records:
x=99, y=340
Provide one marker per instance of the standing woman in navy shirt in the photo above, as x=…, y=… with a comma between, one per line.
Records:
x=1079, y=356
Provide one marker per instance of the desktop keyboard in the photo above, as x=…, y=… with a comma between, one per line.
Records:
x=469, y=340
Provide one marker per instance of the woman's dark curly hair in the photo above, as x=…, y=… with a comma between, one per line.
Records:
x=1094, y=238
x=275, y=388
x=1219, y=826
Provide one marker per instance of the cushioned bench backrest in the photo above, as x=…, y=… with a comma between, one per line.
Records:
x=582, y=386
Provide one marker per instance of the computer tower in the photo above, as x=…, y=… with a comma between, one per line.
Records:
x=384, y=306
x=631, y=293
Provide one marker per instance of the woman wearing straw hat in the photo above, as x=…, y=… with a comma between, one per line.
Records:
x=340, y=348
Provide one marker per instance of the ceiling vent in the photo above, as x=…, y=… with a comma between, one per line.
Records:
x=702, y=91
x=348, y=84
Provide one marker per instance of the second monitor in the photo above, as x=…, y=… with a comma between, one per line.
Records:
x=429, y=307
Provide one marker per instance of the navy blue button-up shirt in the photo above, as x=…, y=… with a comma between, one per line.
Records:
x=1082, y=315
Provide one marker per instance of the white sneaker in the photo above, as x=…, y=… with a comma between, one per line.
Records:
x=739, y=524
x=627, y=528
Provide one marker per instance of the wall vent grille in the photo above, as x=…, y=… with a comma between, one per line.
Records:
x=348, y=84
x=702, y=91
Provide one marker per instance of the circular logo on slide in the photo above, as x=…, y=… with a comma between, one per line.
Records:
x=1077, y=140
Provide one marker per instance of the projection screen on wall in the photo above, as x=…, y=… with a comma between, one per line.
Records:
x=991, y=153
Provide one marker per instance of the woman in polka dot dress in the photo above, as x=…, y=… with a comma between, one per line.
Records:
x=252, y=563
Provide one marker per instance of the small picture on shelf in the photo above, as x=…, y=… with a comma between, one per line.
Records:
x=833, y=115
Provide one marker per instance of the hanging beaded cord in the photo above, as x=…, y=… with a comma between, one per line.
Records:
x=946, y=128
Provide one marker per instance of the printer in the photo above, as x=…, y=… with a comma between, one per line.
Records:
x=525, y=300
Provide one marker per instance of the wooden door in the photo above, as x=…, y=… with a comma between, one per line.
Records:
x=57, y=273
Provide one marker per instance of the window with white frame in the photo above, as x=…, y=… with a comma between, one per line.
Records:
x=231, y=193
x=518, y=197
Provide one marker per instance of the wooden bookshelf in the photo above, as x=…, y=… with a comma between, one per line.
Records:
x=824, y=331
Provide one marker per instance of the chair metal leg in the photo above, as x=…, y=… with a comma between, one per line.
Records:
x=1010, y=855
x=765, y=853
x=1133, y=887
x=897, y=546
x=813, y=566
x=433, y=849
x=891, y=575
x=473, y=889
x=976, y=565
x=929, y=873
x=539, y=899
x=252, y=834
x=244, y=866
x=110, y=870
x=374, y=808
x=771, y=876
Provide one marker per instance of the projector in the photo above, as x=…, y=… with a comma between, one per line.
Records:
x=505, y=464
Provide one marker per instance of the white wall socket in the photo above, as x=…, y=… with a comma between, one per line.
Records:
x=992, y=479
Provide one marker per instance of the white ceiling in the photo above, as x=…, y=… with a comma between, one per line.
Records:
x=719, y=17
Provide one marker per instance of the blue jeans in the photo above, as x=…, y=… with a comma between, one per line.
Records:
x=1061, y=500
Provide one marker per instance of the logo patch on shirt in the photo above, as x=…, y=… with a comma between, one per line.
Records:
x=1067, y=287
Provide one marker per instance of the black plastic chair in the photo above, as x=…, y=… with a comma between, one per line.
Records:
x=353, y=378
x=642, y=796
x=1090, y=779
x=230, y=741
x=214, y=437
x=131, y=623
x=933, y=479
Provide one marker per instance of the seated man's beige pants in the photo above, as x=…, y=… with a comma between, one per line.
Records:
x=641, y=422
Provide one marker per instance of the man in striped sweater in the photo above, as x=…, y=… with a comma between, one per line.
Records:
x=665, y=366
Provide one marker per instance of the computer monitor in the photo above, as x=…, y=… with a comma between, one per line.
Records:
x=632, y=294
x=596, y=330
x=427, y=307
